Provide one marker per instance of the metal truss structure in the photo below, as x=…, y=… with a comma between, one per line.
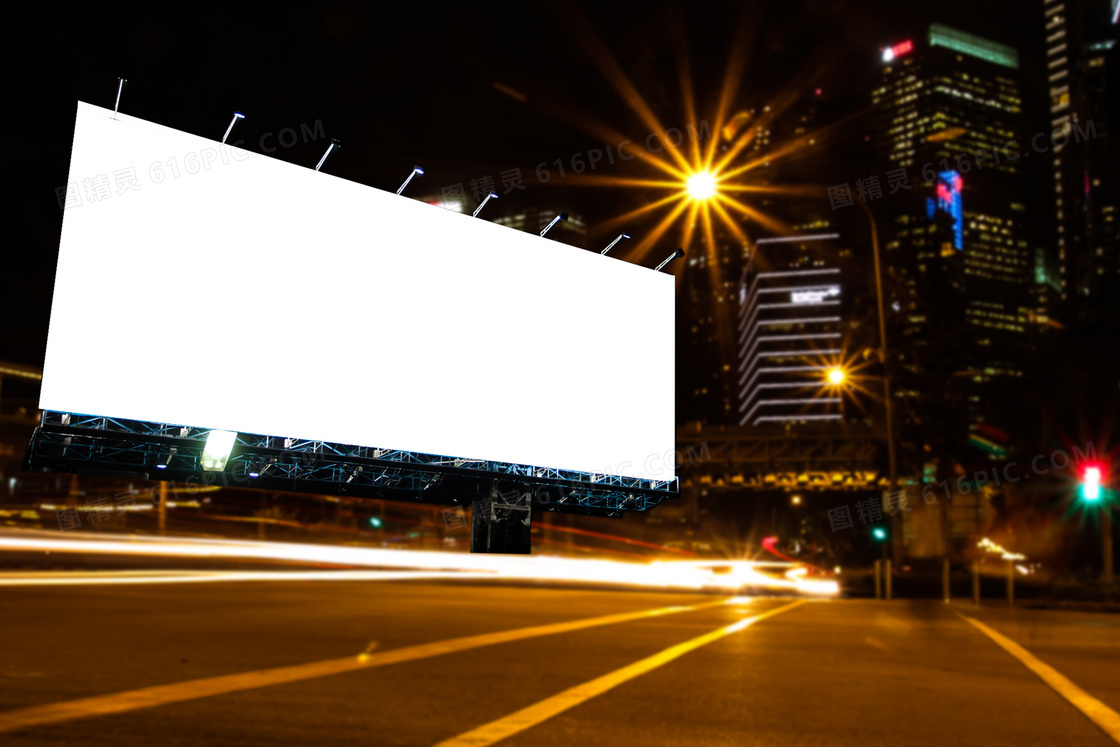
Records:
x=757, y=460
x=66, y=442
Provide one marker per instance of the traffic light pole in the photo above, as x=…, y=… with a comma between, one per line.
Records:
x=1106, y=542
x=888, y=405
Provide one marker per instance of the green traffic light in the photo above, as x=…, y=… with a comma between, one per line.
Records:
x=375, y=522
x=879, y=533
x=1091, y=483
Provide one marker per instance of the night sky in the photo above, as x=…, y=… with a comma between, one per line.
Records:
x=414, y=83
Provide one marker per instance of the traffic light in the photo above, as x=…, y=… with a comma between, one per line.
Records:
x=375, y=522
x=879, y=534
x=1092, y=475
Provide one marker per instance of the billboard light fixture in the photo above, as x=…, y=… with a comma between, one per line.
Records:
x=675, y=255
x=334, y=144
x=611, y=245
x=482, y=204
x=236, y=116
x=557, y=219
x=256, y=470
x=164, y=464
x=117, y=104
x=415, y=170
x=215, y=454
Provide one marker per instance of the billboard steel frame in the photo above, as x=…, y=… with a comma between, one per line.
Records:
x=67, y=442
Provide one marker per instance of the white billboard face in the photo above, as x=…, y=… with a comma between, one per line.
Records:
x=202, y=285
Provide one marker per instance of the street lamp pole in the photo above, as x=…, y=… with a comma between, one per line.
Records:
x=883, y=359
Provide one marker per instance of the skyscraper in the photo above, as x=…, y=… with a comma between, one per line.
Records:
x=960, y=268
x=790, y=333
x=1081, y=70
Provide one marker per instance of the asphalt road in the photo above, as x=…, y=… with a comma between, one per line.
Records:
x=418, y=663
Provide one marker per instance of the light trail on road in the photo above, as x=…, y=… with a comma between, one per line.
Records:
x=715, y=575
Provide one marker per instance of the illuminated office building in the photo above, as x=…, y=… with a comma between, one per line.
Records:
x=790, y=333
x=961, y=269
x=1081, y=65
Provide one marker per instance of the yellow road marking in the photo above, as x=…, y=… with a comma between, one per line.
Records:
x=1100, y=714
x=529, y=717
x=149, y=697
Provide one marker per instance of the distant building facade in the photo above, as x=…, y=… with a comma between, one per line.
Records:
x=961, y=273
x=1081, y=69
x=790, y=333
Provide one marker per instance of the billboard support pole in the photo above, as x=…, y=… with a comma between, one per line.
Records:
x=502, y=522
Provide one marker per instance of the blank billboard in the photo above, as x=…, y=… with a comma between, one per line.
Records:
x=202, y=285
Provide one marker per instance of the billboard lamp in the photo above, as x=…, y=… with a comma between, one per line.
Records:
x=415, y=170
x=258, y=471
x=166, y=462
x=611, y=245
x=120, y=87
x=557, y=219
x=236, y=116
x=215, y=454
x=334, y=143
x=482, y=204
x=675, y=255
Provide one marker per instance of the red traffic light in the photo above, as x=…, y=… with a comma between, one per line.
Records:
x=1092, y=476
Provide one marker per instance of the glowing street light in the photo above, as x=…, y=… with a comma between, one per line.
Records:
x=415, y=170
x=236, y=116
x=701, y=185
x=837, y=376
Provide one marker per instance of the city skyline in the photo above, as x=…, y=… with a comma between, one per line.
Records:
x=978, y=319
x=561, y=373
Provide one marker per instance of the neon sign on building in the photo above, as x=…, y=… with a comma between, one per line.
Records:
x=890, y=53
x=949, y=186
x=814, y=296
